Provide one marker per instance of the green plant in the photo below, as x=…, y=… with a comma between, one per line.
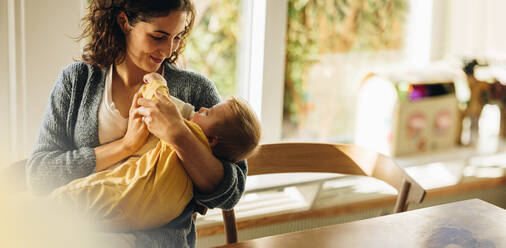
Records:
x=317, y=27
x=212, y=46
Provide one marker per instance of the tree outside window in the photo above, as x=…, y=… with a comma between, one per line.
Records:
x=329, y=44
x=212, y=46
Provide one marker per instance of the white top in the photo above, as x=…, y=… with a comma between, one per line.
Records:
x=111, y=125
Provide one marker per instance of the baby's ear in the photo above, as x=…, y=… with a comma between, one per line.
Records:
x=213, y=140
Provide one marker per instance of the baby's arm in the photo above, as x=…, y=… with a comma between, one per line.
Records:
x=187, y=110
x=165, y=122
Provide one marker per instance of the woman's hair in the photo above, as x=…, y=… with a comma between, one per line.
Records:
x=106, y=43
x=238, y=134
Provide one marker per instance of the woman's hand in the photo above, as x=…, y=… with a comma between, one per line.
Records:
x=162, y=118
x=137, y=132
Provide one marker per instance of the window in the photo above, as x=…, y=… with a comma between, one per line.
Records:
x=212, y=49
x=330, y=46
x=254, y=68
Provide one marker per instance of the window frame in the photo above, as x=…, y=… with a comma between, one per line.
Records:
x=262, y=56
x=261, y=80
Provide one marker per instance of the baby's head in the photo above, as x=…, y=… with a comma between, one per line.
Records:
x=232, y=127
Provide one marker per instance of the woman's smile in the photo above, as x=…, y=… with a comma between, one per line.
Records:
x=156, y=60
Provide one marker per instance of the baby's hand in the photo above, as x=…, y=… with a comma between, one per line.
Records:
x=153, y=76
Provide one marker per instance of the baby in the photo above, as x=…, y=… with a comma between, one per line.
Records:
x=149, y=191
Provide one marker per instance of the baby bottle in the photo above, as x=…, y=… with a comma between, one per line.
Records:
x=156, y=83
x=187, y=110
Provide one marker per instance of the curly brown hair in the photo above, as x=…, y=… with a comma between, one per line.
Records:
x=106, y=43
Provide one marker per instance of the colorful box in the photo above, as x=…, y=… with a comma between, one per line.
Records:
x=407, y=112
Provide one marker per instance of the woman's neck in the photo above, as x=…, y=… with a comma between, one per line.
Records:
x=128, y=74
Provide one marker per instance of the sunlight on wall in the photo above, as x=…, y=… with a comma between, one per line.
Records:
x=418, y=32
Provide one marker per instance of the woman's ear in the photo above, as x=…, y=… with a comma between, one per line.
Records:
x=213, y=140
x=122, y=21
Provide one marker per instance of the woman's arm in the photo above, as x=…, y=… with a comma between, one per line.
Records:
x=55, y=160
x=201, y=92
x=221, y=183
x=205, y=170
x=164, y=120
x=135, y=137
x=110, y=154
x=218, y=183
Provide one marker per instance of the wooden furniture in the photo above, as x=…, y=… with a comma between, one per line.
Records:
x=317, y=157
x=470, y=223
x=329, y=158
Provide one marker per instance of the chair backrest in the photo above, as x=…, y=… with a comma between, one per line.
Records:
x=329, y=158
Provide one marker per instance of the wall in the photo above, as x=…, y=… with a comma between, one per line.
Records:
x=475, y=28
x=40, y=45
x=4, y=86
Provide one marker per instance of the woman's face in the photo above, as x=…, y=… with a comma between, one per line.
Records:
x=149, y=43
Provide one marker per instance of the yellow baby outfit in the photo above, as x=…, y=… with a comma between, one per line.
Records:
x=141, y=193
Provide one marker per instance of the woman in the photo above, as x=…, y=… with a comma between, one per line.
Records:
x=96, y=117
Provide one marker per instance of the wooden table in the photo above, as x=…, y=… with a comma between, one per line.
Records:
x=470, y=223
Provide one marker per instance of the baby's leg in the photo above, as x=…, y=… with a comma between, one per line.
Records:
x=162, y=194
x=141, y=194
x=97, y=195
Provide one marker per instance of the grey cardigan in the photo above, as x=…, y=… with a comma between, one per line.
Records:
x=63, y=150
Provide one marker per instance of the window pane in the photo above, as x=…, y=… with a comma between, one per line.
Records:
x=331, y=44
x=212, y=47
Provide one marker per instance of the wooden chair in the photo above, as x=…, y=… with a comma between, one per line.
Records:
x=302, y=157
x=329, y=158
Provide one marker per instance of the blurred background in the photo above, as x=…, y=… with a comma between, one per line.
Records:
x=299, y=62
x=420, y=80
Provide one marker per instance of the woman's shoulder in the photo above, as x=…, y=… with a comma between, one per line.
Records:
x=80, y=68
x=191, y=86
x=186, y=75
x=80, y=74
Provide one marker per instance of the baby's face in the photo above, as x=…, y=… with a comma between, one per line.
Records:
x=207, y=118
